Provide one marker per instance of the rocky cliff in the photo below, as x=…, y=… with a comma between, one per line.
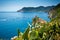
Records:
x=55, y=12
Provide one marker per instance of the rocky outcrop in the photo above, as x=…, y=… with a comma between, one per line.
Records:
x=54, y=12
x=38, y=20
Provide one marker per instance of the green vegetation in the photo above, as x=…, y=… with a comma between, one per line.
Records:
x=48, y=31
x=43, y=31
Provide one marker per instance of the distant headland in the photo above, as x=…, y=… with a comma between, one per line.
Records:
x=35, y=9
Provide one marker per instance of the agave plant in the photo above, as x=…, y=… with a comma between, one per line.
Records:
x=18, y=33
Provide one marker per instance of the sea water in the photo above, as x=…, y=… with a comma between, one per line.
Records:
x=11, y=21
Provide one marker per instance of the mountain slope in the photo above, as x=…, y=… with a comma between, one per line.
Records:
x=35, y=9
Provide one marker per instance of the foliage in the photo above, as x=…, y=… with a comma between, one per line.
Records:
x=47, y=31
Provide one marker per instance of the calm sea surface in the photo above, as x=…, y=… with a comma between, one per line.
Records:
x=11, y=21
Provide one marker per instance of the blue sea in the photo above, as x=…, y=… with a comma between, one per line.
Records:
x=11, y=21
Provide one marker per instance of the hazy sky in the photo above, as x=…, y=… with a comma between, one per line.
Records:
x=14, y=5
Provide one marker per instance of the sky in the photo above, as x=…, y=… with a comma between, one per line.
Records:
x=14, y=5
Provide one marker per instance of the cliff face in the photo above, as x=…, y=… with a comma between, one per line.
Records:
x=55, y=12
x=35, y=9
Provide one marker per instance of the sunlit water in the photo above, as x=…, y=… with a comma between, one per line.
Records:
x=11, y=21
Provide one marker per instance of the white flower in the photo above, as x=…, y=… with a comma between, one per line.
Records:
x=32, y=27
x=30, y=31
